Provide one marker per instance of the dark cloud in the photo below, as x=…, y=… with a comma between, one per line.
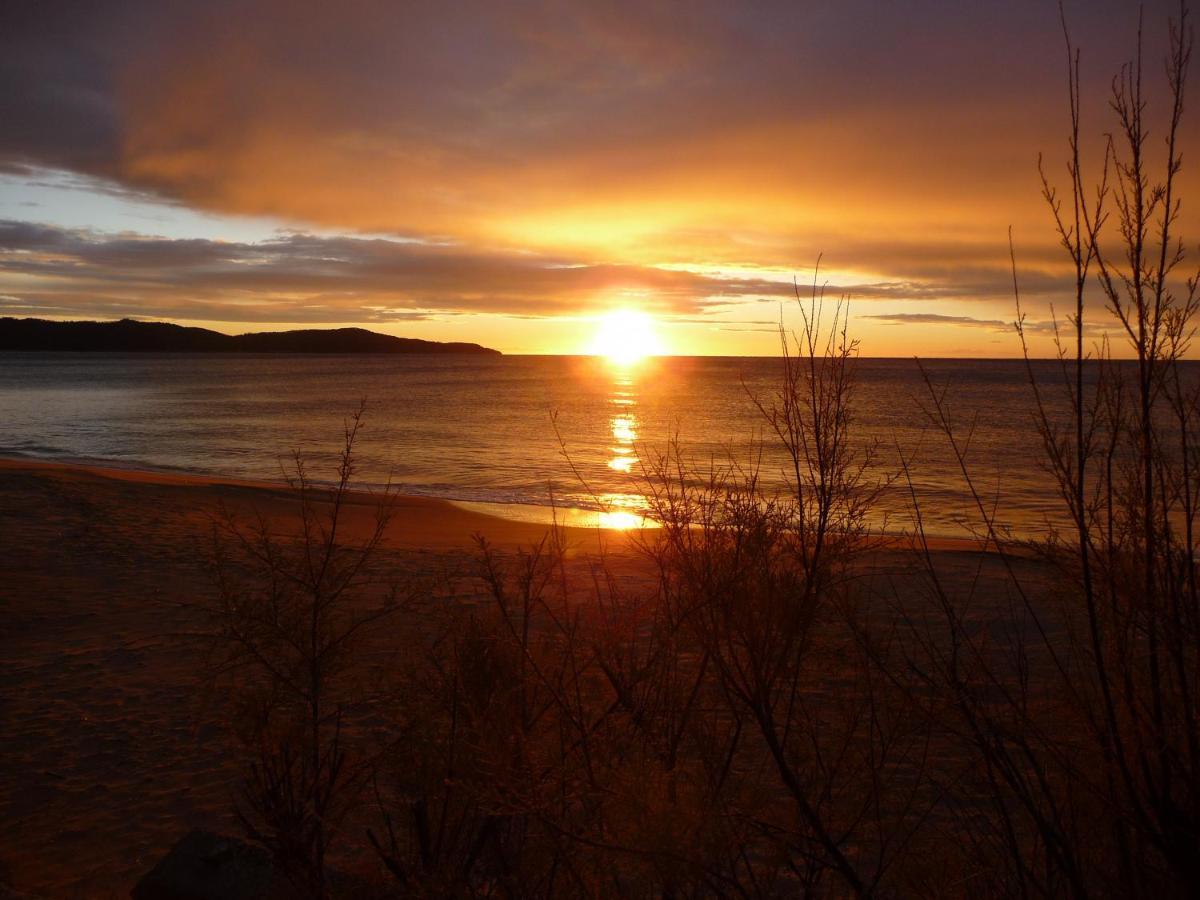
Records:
x=429, y=117
x=58, y=95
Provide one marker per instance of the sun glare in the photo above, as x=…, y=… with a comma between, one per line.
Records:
x=625, y=336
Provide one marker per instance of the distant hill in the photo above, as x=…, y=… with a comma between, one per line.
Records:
x=129, y=336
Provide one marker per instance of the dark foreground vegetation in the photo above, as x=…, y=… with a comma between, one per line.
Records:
x=759, y=723
x=131, y=336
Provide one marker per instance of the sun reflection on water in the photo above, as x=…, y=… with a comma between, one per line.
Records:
x=622, y=464
x=628, y=510
x=624, y=424
x=624, y=429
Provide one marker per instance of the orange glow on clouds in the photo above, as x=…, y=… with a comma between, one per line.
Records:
x=494, y=173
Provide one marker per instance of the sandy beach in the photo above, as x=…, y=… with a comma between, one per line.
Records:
x=110, y=751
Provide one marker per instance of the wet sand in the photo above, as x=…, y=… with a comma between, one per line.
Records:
x=110, y=750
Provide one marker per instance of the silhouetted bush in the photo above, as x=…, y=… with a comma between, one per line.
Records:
x=765, y=718
x=291, y=612
x=1079, y=723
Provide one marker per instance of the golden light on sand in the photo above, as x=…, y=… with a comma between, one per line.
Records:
x=620, y=520
x=622, y=512
x=625, y=336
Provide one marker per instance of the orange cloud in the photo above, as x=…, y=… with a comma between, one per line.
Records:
x=643, y=144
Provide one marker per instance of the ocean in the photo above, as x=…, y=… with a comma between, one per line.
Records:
x=524, y=436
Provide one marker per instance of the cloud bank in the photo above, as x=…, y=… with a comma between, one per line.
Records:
x=50, y=270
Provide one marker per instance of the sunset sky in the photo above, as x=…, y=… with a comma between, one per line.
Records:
x=507, y=172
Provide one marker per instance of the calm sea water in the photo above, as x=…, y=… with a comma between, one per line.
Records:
x=488, y=430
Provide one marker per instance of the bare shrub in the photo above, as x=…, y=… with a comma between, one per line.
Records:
x=468, y=780
x=809, y=758
x=759, y=721
x=729, y=731
x=292, y=609
x=1080, y=727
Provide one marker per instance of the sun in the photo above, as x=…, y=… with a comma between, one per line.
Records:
x=625, y=336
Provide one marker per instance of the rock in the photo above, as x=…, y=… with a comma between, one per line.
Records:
x=207, y=866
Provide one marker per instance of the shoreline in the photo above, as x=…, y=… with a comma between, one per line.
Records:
x=444, y=518
x=506, y=511
x=416, y=523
